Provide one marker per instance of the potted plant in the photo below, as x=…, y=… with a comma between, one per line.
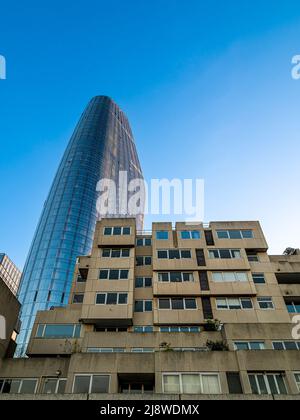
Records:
x=213, y=325
x=217, y=346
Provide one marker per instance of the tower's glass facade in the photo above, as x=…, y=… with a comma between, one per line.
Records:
x=102, y=145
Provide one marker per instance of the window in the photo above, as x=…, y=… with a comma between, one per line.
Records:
x=80, y=279
x=91, y=384
x=56, y=331
x=18, y=386
x=267, y=384
x=180, y=329
x=293, y=307
x=235, y=234
x=78, y=298
x=140, y=261
x=225, y=254
x=190, y=234
x=144, y=242
x=175, y=277
x=253, y=258
x=143, y=306
x=111, y=298
x=117, y=231
x=114, y=274
x=297, y=379
x=143, y=329
x=143, y=282
x=54, y=386
x=191, y=383
x=143, y=350
x=228, y=277
x=286, y=345
x=162, y=235
x=234, y=303
x=249, y=345
x=177, y=303
x=259, y=278
x=116, y=253
x=105, y=350
x=174, y=254
x=234, y=383
x=265, y=303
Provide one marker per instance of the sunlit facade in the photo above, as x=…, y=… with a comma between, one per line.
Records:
x=102, y=145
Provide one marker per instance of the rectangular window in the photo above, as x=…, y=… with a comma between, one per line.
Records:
x=180, y=329
x=18, y=386
x=297, y=379
x=91, y=384
x=234, y=303
x=207, y=308
x=230, y=277
x=78, y=298
x=234, y=383
x=162, y=235
x=286, y=345
x=143, y=282
x=116, y=253
x=265, y=303
x=259, y=278
x=105, y=350
x=190, y=234
x=267, y=384
x=114, y=274
x=144, y=242
x=143, y=350
x=143, y=306
x=56, y=331
x=191, y=383
x=225, y=254
x=253, y=258
x=293, y=307
x=177, y=304
x=249, y=345
x=143, y=329
x=235, y=234
x=143, y=261
x=174, y=254
x=175, y=277
x=117, y=231
x=54, y=386
x=200, y=258
x=111, y=298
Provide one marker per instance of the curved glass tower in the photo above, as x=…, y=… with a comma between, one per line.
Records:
x=101, y=146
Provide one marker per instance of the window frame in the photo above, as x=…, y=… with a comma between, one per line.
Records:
x=144, y=286
x=163, y=233
x=109, y=270
x=235, y=273
x=144, y=301
x=181, y=374
x=58, y=380
x=266, y=381
x=240, y=299
x=190, y=233
x=181, y=251
x=232, y=251
x=91, y=380
x=182, y=273
x=265, y=299
x=111, y=250
x=106, y=296
x=241, y=232
x=113, y=228
x=44, y=326
x=21, y=380
x=249, y=343
x=184, y=304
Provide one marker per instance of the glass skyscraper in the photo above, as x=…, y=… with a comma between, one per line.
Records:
x=101, y=146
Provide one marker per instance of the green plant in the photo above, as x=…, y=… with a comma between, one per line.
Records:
x=213, y=325
x=217, y=346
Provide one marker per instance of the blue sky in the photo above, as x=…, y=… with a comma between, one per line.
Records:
x=207, y=84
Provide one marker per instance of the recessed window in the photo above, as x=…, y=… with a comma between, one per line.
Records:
x=234, y=303
x=58, y=331
x=143, y=350
x=174, y=254
x=297, y=379
x=143, y=306
x=267, y=384
x=143, y=282
x=259, y=278
x=190, y=234
x=91, y=384
x=235, y=234
x=224, y=254
x=162, y=235
x=293, y=307
x=249, y=345
x=78, y=298
x=143, y=261
x=180, y=329
x=18, y=386
x=54, y=386
x=175, y=277
x=116, y=253
x=114, y=274
x=190, y=383
x=177, y=303
x=265, y=303
x=111, y=298
x=144, y=242
x=117, y=231
x=286, y=345
x=229, y=277
x=143, y=329
x=105, y=350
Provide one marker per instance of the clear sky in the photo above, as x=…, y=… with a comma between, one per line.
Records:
x=206, y=85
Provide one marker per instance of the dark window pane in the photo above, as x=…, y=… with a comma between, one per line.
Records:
x=225, y=254
x=126, y=253
x=174, y=254
x=164, y=303
x=148, y=260
x=106, y=253
x=107, y=231
x=139, y=282
x=116, y=253
x=234, y=383
x=139, y=306
x=162, y=254
x=148, y=306
x=103, y=275
x=235, y=234
x=126, y=231
x=82, y=385
x=139, y=261
x=100, y=299
x=175, y=277
x=114, y=275
x=117, y=231
x=123, y=299
x=111, y=299
x=186, y=254
x=124, y=274
x=177, y=304
x=190, y=304
x=148, y=282
x=100, y=384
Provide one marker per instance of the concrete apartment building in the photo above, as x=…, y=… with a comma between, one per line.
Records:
x=9, y=324
x=10, y=273
x=179, y=313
